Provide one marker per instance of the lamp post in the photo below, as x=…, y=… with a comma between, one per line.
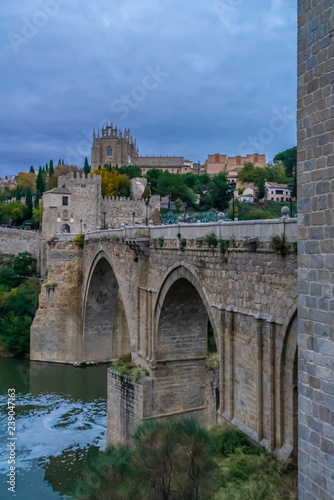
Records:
x=80, y=220
x=233, y=185
x=290, y=187
x=104, y=220
x=147, y=204
x=133, y=217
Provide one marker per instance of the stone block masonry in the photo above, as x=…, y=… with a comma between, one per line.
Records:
x=316, y=248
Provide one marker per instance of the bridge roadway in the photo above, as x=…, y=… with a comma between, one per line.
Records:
x=151, y=292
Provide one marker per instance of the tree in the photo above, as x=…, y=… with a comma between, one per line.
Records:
x=131, y=171
x=32, y=170
x=37, y=198
x=147, y=193
x=261, y=189
x=22, y=263
x=51, y=169
x=219, y=193
x=289, y=160
x=173, y=186
x=251, y=173
x=86, y=167
x=18, y=193
x=152, y=177
x=113, y=183
x=12, y=212
x=28, y=211
x=37, y=213
x=40, y=184
x=25, y=181
x=276, y=173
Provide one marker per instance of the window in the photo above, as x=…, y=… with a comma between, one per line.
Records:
x=256, y=158
x=109, y=151
x=279, y=191
x=238, y=161
x=216, y=158
x=65, y=200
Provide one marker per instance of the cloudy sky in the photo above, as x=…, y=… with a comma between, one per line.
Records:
x=188, y=78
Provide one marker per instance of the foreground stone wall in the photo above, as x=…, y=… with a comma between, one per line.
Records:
x=316, y=248
x=15, y=241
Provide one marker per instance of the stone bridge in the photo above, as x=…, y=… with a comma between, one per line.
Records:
x=153, y=292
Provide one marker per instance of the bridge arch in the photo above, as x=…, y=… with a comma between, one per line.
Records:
x=105, y=326
x=289, y=388
x=187, y=272
x=182, y=315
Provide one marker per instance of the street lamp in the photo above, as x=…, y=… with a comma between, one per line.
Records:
x=233, y=185
x=80, y=220
x=147, y=204
x=291, y=185
x=104, y=219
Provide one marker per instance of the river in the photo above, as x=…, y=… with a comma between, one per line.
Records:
x=60, y=418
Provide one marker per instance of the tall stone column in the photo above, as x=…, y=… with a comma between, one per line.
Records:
x=316, y=248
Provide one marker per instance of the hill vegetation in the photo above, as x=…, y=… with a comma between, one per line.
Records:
x=19, y=291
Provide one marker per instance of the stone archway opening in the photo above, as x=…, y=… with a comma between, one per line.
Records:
x=65, y=228
x=105, y=332
x=183, y=381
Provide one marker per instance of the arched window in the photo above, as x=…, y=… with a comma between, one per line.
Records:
x=217, y=159
x=109, y=151
x=238, y=161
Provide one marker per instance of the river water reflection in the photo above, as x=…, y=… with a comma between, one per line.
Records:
x=60, y=421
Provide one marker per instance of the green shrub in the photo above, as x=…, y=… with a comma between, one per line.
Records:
x=212, y=361
x=211, y=240
x=79, y=240
x=279, y=244
x=224, y=244
x=183, y=243
x=22, y=263
x=226, y=440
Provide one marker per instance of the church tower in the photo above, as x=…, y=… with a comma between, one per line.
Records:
x=112, y=147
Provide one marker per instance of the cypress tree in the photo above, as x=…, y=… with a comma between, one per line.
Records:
x=46, y=167
x=59, y=161
x=40, y=185
x=29, y=204
x=51, y=169
x=32, y=170
x=62, y=161
x=37, y=198
x=18, y=193
x=86, y=167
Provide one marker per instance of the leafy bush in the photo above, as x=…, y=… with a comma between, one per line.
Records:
x=224, y=244
x=226, y=440
x=212, y=240
x=183, y=243
x=279, y=245
x=22, y=263
x=18, y=306
x=79, y=240
x=125, y=366
x=212, y=361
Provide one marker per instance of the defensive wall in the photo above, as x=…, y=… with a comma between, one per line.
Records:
x=15, y=241
x=151, y=292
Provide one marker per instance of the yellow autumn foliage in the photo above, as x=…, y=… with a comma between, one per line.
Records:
x=113, y=183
